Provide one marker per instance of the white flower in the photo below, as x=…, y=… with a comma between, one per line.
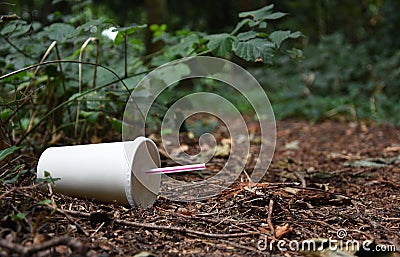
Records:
x=111, y=33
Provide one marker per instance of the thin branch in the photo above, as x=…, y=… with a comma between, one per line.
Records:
x=167, y=228
x=20, y=188
x=78, y=226
x=63, y=81
x=72, y=61
x=85, y=44
x=125, y=55
x=31, y=81
x=29, y=251
x=300, y=177
x=182, y=229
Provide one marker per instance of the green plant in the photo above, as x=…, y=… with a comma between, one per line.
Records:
x=336, y=79
x=78, y=85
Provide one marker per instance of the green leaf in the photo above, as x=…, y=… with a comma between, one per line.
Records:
x=131, y=29
x=12, y=176
x=247, y=35
x=220, y=44
x=254, y=50
x=101, y=23
x=19, y=216
x=117, y=124
x=5, y=114
x=15, y=27
x=257, y=14
x=240, y=25
x=92, y=101
x=8, y=151
x=277, y=37
x=91, y=117
x=275, y=16
x=125, y=31
x=47, y=178
x=44, y=202
x=295, y=53
x=60, y=32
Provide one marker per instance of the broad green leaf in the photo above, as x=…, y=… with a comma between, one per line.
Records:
x=277, y=37
x=117, y=124
x=91, y=117
x=263, y=25
x=125, y=31
x=275, y=16
x=220, y=44
x=15, y=26
x=256, y=49
x=8, y=151
x=131, y=29
x=247, y=35
x=257, y=14
x=5, y=114
x=171, y=73
x=60, y=32
x=240, y=25
x=295, y=53
x=101, y=22
x=184, y=48
x=92, y=101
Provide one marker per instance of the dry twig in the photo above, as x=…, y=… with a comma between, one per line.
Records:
x=301, y=178
x=270, y=209
x=28, y=251
x=168, y=228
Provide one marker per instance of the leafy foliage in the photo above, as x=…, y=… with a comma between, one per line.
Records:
x=335, y=79
x=62, y=99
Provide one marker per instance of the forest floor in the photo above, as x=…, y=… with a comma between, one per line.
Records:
x=330, y=180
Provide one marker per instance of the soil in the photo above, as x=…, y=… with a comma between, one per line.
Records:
x=336, y=180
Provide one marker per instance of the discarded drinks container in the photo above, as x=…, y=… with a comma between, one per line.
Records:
x=107, y=172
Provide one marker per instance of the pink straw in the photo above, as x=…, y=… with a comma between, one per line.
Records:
x=177, y=169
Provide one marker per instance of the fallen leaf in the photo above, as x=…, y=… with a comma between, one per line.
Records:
x=263, y=230
x=144, y=254
x=282, y=230
x=374, y=162
x=294, y=145
x=184, y=211
x=291, y=190
x=394, y=148
x=95, y=139
x=224, y=149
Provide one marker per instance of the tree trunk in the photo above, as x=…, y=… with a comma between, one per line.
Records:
x=155, y=11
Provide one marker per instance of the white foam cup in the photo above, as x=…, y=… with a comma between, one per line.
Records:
x=106, y=172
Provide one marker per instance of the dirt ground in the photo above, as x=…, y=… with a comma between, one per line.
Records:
x=336, y=180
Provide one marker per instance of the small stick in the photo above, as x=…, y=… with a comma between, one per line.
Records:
x=177, y=169
x=182, y=230
x=29, y=251
x=269, y=221
x=301, y=178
